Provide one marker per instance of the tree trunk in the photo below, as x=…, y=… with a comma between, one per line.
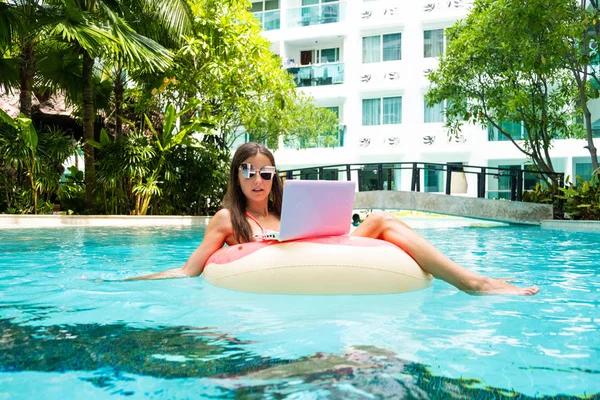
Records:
x=587, y=115
x=88, y=130
x=119, y=90
x=26, y=74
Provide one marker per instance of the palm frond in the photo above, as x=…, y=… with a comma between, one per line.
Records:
x=9, y=73
x=10, y=23
x=77, y=26
x=175, y=15
x=58, y=68
x=133, y=48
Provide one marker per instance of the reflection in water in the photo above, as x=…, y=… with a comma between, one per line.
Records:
x=171, y=352
x=117, y=352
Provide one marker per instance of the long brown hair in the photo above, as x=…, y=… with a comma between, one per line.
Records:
x=235, y=200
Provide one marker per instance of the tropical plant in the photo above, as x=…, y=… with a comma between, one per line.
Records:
x=540, y=194
x=582, y=198
x=201, y=180
x=122, y=163
x=20, y=152
x=141, y=162
x=31, y=163
x=71, y=192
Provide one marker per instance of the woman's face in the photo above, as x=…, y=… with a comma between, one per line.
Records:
x=256, y=188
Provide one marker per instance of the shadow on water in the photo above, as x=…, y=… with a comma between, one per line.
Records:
x=118, y=352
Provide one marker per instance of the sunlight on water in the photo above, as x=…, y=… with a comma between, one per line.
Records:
x=67, y=326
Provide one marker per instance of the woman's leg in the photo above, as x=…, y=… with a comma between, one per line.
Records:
x=381, y=225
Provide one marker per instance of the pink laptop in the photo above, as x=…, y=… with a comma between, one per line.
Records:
x=314, y=208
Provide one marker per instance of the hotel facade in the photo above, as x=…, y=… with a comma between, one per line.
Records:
x=368, y=61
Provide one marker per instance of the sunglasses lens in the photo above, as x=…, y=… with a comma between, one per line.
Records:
x=267, y=175
x=248, y=170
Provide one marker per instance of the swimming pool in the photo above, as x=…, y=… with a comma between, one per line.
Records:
x=66, y=329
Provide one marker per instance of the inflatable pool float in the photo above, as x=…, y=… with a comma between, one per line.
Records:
x=327, y=265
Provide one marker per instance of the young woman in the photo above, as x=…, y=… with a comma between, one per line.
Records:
x=253, y=206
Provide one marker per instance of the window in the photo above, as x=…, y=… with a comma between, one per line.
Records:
x=267, y=12
x=309, y=174
x=382, y=48
x=515, y=129
x=330, y=55
x=583, y=170
x=504, y=178
x=334, y=109
x=596, y=129
x=433, y=43
x=434, y=178
x=434, y=113
x=320, y=56
x=532, y=178
x=264, y=5
x=383, y=111
x=392, y=110
x=371, y=112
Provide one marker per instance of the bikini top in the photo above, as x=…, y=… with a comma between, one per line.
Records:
x=263, y=230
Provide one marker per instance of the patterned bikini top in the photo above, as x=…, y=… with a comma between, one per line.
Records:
x=263, y=230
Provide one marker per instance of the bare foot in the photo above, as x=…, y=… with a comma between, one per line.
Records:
x=490, y=286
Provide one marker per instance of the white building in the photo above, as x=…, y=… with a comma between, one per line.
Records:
x=368, y=61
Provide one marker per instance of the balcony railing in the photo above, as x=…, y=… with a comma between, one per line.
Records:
x=324, y=13
x=318, y=75
x=335, y=139
x=269, y=20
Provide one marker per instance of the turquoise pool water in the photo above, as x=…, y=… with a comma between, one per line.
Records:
x=65, y=335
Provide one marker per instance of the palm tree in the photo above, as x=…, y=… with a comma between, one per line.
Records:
x=97, y=28
x=18, y=35
x=92, y=29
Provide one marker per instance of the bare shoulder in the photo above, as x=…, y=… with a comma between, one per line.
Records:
x=222, y=221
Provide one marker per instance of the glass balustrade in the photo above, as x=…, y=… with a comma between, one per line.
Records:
x=318, y=75
x=324, y=13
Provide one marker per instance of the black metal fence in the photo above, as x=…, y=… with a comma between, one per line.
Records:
x=516, y=180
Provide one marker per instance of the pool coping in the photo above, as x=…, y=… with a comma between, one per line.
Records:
x=570, y=225
x=11, y=221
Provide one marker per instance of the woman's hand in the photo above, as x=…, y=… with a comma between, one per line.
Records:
x=218, y=230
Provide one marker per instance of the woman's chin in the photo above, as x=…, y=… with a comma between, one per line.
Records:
x=259, y=196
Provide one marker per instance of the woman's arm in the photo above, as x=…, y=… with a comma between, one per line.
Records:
x=218, y=229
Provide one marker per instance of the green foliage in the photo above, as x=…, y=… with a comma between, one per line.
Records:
x=541, y=194
x=582, y=199
x=168, y=169
x=505, y=63
x=30, y=164
x=71, y=192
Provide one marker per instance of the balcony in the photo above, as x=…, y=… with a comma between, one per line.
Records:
x=269, y=20
x=318, y=75
x=334, y=139
x=318, y=14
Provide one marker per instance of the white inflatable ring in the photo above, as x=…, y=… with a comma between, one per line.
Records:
x=329, y=265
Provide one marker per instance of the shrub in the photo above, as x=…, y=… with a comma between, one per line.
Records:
x=582, y=199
